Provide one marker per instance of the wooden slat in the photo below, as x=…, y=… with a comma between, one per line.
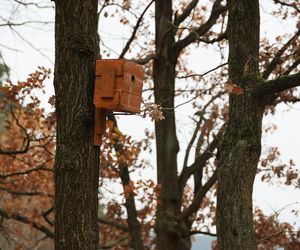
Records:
x=108, y=83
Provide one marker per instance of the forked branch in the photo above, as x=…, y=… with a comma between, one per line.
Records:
x=216, y=11
x=186, y=12
x=277, y=58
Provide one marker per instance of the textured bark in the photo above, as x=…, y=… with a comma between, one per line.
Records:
x=241, y=145
x=171, y=233
x=77, y=160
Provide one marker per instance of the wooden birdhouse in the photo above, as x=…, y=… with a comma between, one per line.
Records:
x=118, y=87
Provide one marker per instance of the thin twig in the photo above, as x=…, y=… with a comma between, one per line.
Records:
x=138, y=23
x=201, y=75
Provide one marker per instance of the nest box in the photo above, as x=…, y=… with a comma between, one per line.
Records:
x=118, y=87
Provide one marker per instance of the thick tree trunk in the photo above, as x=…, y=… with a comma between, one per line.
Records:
x=77, y=160
x=241, y=145
x=170, y=231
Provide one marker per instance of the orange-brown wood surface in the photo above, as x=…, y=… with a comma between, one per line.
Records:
x=100, y=126
x=118, y=85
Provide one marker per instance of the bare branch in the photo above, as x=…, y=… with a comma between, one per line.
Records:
x=277, y=85
x=219, y=38
x=276, y=60
x=113, y=244
x=194, y=136
x=8, y=190
x=31, y=45
x=270, y=236
x=217, y=10
x=144, y=60
x=193, y=232
x=110, y=222
x=25, y=220
x=26, y=144
x=292, y=67
x=10, y=24
x=38, y=168
x=10, y=48
x=45, y=215
x=198, y=197
x=288, y=5
x=26, y=4
x=204, y=74
x=138, y=23
x=186, y=12
x=201, y=160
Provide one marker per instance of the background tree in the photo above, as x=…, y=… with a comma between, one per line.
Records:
x=241, y=146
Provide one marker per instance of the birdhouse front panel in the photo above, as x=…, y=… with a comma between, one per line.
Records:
x=118, y=85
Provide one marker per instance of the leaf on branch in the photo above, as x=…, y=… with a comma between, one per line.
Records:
x=232, y=88
x=154, y=111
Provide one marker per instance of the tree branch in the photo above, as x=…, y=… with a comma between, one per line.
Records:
x=45, y=215
x=26, y=4
x=214, y=40
x=201, y=160
x=292, y=67
x=186, y=12
x=193, y=232
x=204, y=74
x=25, y=220
x=288, y=5
x=127, y=46
x=198, y=124
x=276, y=60
x=113, y=244
x=8, y=190
x=277, y=85
x=270, y=236
x=217, y=10
x=198, y=197
x=26, y=140
x=39, y=168
x=115, y=224
x=145, y=60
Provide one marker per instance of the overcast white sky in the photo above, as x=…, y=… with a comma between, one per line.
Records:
x=25, y=60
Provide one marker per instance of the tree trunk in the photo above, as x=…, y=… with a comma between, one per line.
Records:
x=77, y=160
x=241, y=145
x=170, y=232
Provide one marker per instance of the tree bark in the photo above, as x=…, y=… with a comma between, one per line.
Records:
x=241, y=146
x=171, y=233
x=77, y=160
